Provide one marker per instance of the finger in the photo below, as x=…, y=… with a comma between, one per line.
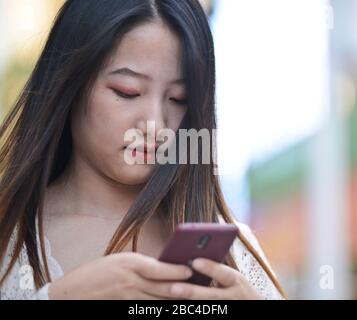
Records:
x=147, y=296
x=196, y=292
x=221, y=273
x=161, y=289
x=152, y=268
x=138, y=287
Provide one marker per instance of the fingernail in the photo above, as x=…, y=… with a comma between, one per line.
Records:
x=198, y=263
x=177, y=289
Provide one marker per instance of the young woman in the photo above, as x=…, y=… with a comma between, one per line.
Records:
x=76, y=220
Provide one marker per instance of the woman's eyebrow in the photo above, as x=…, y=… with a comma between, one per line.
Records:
x=129, y=72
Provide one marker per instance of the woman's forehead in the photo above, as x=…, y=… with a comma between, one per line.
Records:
x=150, y=49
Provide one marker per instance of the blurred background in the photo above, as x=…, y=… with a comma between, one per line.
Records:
x=287, y=125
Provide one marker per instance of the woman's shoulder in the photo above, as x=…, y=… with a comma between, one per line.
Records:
x=19, y=284
x=247, y=263
x=243, y=229
x=247, y=232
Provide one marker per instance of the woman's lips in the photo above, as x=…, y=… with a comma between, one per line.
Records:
x=142, y=154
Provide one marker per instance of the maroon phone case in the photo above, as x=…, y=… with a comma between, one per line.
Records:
x=183, y=245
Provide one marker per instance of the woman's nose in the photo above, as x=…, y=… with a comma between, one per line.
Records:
x=154, y=119
x=156, y=114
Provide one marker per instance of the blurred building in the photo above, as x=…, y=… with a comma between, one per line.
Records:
x=280, y=208
x=303, y=198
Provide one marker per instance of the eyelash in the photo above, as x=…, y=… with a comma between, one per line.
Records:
x=133, y=96
x=180, y=102
x=124, y=95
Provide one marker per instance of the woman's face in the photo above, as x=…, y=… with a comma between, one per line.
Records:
x=141, y=82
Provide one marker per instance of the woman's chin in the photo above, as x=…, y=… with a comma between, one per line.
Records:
x=135, y=174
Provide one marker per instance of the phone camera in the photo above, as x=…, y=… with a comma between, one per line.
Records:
x=203, y=241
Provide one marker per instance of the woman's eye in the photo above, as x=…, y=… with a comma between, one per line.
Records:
x=125, y=95
x=179, y=101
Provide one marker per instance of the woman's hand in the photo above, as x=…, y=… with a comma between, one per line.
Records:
x=127, y=275
x=232, y=284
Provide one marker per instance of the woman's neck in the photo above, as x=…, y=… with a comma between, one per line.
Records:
x=82, y=190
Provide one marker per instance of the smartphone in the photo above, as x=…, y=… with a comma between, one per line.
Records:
x=194, y=240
